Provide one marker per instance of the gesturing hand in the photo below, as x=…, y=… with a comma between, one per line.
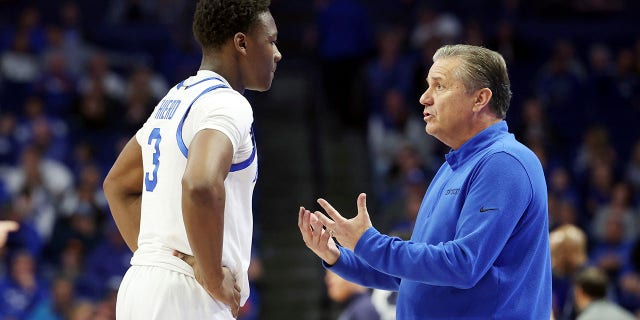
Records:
x=316, y=238
x=228, y=292
x=346, y=231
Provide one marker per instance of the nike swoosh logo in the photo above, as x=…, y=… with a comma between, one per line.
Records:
x=483, y=209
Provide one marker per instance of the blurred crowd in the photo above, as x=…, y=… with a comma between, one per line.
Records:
x=77, y=79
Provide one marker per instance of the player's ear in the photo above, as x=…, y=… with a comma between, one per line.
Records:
x=240, y=42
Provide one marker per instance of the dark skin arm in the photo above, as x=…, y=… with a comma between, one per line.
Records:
x=123, y=189
x=203, y=202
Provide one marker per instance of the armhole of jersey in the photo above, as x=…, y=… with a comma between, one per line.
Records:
x=242, y=165
x=181, y=144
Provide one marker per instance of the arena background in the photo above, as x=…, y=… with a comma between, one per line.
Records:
x=78, y=78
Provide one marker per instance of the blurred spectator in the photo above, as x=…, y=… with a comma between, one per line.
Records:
x=73, y=238
x=83, y=310
x=591, y=297
x=56, y=85
x=87, y=195
x=568, y=245
x=354, y=300
x=67, y=36
x=610, y=253
x=35, y=172
x=27, y=237
x=344, y=42
x=431, y=23
x=402, y=226
x=144, y=90
x=100, y=78
x=562, y=211
x=601, y=78
x=561, y=185
x=103, y=276
x=28, y=25
x=508, y=42
x=632, y=173
x=420, y=68
x=94, y=124
x=389, y=69
x=595, y=148
x=58, y=304
x=47, y=133
x=473, y=34
x=394, y=129
x=597, y=191
x=560, y=85
x=385, y=303
x=122, y=12
x=19, y=68
x=621, y=208
x=629, y=283
x=41, y=182
x=8, y=140
x=535, y=128
x=21, y=289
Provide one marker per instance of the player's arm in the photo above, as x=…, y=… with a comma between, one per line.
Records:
x=203, y=202
x=123, y=189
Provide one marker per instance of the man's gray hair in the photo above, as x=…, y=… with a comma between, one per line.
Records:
x=481, y=68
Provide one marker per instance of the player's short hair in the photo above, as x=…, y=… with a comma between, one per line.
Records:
x=216, y=21
x=481, y=68
x=593, y=282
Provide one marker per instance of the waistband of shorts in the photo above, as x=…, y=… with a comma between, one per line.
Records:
x=160, y=257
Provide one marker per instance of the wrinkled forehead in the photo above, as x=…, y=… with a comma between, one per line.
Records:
x=444, y=69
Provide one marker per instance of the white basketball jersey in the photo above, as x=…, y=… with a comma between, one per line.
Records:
x=203, y=101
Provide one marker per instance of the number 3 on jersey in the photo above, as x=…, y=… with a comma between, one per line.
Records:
x=150, y=182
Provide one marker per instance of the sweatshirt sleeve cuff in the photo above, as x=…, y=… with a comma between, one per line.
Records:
x=361, y=245
x=340, y=263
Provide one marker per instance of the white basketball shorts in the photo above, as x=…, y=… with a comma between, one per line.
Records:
x=156, y=293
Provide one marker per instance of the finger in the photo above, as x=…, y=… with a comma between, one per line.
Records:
x=300, y=218
x=333, y=213
x=316, y=224
x=178, y=254
x=324, y=238
x=190, y=260
x=330, y=224
x=362, y=205
x=307, y=218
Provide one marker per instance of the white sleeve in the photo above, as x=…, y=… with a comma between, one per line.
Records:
x=226, y=111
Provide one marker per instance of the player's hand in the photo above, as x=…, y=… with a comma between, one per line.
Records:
x=228, y=292
x=316, y=238
x=346, y=231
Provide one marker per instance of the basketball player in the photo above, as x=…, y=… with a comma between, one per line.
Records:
x=184, y=183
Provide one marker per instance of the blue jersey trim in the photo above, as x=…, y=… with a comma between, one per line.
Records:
x=181, y=84
x=244, y=164
x=181, y=144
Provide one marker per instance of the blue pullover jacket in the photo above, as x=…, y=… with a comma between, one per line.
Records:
x=480, y=245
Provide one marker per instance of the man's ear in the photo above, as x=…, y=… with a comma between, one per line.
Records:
x=482, y=99
x=240, y=42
